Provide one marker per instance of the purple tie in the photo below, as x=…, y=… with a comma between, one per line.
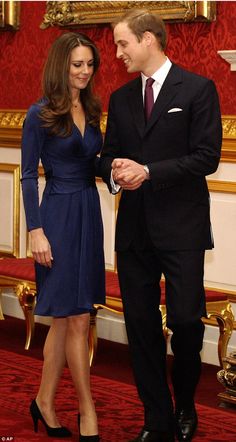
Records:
x=148, y=97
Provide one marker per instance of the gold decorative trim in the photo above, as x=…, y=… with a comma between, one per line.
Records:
x=221, y=312
x=12, y=118
x=227, y=377
x=221, y=186
x=228, y=153
x=231, y=295
x=103, y=122
x=15, y=170
x=9, y=15
x=11, y=122
x=74, y=13
x=229, y=126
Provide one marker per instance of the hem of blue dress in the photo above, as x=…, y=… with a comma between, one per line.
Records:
x=79, y=311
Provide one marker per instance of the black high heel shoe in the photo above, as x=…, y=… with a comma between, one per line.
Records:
x=51, y=431
x=94, y=438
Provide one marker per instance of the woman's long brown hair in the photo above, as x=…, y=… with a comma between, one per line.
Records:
x=55, y=112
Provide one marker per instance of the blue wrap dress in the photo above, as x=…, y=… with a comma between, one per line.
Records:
x=69, y=214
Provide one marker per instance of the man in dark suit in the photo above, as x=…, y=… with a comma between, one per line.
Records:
x=163, y=223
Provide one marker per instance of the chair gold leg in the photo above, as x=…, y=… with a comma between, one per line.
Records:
x=30, y=325
x=27, y=300
x=225, y=320
x=165, y=329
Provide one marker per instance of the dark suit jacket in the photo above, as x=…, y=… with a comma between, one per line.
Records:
x=180, y=148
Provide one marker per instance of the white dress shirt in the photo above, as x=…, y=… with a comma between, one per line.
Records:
x=159, y=76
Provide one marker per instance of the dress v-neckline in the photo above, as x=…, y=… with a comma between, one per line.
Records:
x=77, y=127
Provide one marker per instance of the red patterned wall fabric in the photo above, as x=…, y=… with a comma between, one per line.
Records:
x=192, y=45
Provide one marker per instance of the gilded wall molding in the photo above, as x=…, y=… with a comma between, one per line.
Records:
x=12, y=118
x=14, y=170
x=229, y=138
x=11, y=122
x=229, y=125
x=221, y=186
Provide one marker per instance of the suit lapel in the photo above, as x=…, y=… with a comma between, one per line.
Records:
x=135, y=101
x=168, y=91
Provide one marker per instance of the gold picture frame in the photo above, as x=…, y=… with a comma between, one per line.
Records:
x=9, y=15
x=74, y=13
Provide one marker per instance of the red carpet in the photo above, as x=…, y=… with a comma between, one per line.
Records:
x=118, y=407
x=112, y=359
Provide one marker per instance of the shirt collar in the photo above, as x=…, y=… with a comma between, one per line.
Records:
x=160, y=75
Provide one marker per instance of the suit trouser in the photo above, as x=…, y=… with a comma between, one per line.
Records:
x=139, y=275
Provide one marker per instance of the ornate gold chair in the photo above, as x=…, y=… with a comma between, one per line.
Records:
x=18, y=273
x=227, y=377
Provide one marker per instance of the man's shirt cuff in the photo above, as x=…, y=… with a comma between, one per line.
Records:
x=115, y=188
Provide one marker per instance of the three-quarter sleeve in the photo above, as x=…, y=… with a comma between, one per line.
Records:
x=32, y=144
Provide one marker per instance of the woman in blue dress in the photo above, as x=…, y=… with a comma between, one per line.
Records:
x=63, y=131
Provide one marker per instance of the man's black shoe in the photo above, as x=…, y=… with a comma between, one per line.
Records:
x=154, y=436
x=186, y=423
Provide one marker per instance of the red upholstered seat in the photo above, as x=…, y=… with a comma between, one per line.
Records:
x=112, y=285
x=213, y=296
x=20, y=268
x=113, y=290
x=23, y=268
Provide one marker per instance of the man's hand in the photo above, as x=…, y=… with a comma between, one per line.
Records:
x=128, y=174
x=41, y=248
